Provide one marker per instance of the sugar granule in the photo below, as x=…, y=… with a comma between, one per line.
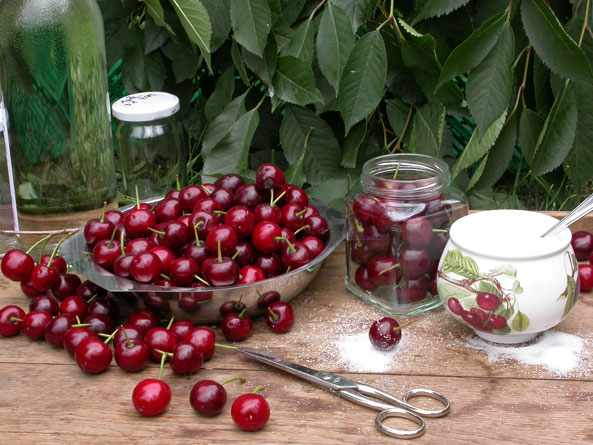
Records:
x=357, y=354
x=560, y=353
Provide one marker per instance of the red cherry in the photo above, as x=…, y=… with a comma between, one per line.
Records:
x=360, y=252
x=375, y=240
x=131, y=331
x=56, y=329
x=65, y=285
x=415, y=263
x=43, y=278
x=244, y=253
x=384, y=270
x=104, y=306
x=582, y=243
x=74, y=307
x=204, y=222
x=57, y=262
x=208, y=398
x=416, y=231
x=44, y=303
x=269, y=176
x=455, y=306
x=11, y=318
x=586, y=277
x=209, y=205
x=497, y=321
x=241, y=220
x=265, y=237
x=250, y=412
x=93, y=356
x=131, y=355
x=223, y=197
x=385, y=333
x=96, y=230
x=250, y=274
x=221, y=271
x=151, y=397
x=189, y=196
x=173, y=234
x=74, y=336
x=138, y=222
x=204, y=339
x=34, y=324
x=231, y=307
x=161, y=339
x=144, y=319
x=138, y=245
x=363, y=208
x=168, y=209
x=224, y=235
x=295, y=255
x=100, y=324
x=183, y=270
x=115, y=217
x=248, y=195
x=269, y=263
x=412, y=290
x=280, y=317
x=88, y=290
x=28, y=289
x=266, y=212
x=180, y=329
x=166, y=256
x=146, y=267
x=361, y=276
x=295, y=195
x=488, y=301
x=187, y=359
x=230, y=182
x=106, y=252
x=267, y=298
x=236, y=327
x=293, y=216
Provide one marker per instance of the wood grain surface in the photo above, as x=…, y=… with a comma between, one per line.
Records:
x=46, y=399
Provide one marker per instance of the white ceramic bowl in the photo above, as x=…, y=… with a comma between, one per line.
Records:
x=499, y=277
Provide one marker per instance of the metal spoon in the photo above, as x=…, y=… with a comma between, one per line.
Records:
x=582, y=210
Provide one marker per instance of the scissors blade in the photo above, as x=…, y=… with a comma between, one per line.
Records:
x=322, y=379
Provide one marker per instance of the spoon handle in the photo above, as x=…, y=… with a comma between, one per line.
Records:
x=583, y=209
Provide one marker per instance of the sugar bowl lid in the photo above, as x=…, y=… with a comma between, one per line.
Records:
x=145, y=107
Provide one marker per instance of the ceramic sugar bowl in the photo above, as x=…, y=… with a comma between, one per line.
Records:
x=498, y=276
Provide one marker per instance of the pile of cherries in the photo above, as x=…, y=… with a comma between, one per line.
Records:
x=85, y=324
x=398, y=244
x=582, y=244
x=209, y=235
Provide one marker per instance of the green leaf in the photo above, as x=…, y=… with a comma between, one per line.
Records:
x=520, y=322
x=220, y=126
x=478, y=147
x=448, y=290
x=283, y=35
x=352, y=144
x=196, y=22
x=419, y=57
x=427, y=131
x=146, y=72
x=489, y=84
x=478, y=173
x=264, y=67
x=517, y=289
x=461, y=265
x=231, y=153
x=294, y=174
x=552, y=44
x=222, y=95
x=530, y=127
x=580, y=159
x=302, y=43
x=238, y=63
x=542, y=90
x=505, y=269
x=485, y=286
x=294, y=82
x=291, y=10
x=154, y=36
x=500, y=154
x=469, y=53
x=184, y=61
x=425, y=9
x=363, y=79
x=570, y=294
x=335, y=40
x=397, y=114
x=155, y=10
x=558, y=133
x=358, y=11
x=251, y=21
x=218, y=11
x=331, y=192
x=323, y=156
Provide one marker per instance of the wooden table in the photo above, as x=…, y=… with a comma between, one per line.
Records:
x=46, y=398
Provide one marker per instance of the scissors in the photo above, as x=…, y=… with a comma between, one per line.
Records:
x=368, y=396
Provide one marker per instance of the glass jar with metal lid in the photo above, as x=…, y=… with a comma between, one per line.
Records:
x=149, y=141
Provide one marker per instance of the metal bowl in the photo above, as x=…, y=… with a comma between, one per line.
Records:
x=167, y=300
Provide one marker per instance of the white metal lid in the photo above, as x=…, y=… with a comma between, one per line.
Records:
x=144, y=107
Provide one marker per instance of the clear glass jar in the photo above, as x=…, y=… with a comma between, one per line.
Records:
x=397, y=225
x=149, y=141
x=54, y=83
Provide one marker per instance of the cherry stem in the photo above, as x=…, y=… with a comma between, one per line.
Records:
x=15, y=319
x=219, y=253
x=257, y=389
x=305, y=227
x=206, y=189
x=196, y=234
x=166, y=277
x=102, y=219
x=163, y=358
x=274, y=315
x=121, y=243
x=396, y=171
x=290, y=246
x=110, y=337
x=137, y=197
x=42, y=248
x=241, y=379
x=55, y=251
x=170, y=323
x=221, y=346
x=177, y=183
x=242, y=313
x=159, y=232
x=405, y=325
x=167, y=354
x=395, y=266
x=440, y=231
x=273, y=203
x=80, y=325
x=93, y=298
x=42, y=240
x=301, y=213
x=201, y=280
x=112, y=236
x=235, y=255
x=219, y=212
x=128, y=342
x=271, y=197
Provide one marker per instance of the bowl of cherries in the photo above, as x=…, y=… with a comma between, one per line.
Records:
x=196, y=250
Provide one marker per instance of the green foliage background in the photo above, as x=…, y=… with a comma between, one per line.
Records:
x=500, y=89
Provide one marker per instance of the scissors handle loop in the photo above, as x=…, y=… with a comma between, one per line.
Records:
x=393, y=432
x=422, y=392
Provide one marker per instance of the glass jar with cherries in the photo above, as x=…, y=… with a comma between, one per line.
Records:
x=397, y=225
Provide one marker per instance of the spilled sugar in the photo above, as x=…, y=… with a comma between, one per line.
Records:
x=560, y=353
x=358, y=354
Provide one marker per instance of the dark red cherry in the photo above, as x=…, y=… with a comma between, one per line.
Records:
x=266, y=212
x=186, y=360
x=105, y=253
x=183, y=270
x=360, y=252
x=231, y=307
x=100, y=324
x=146, y=267
x=166, y=256
x=97, y=229
x=131, y=355
x=88, y=290
x=138, y=222
x=269, y=176
x=43, y=278
x=363, y=208
x=131, y=331
x=293, y=216
x=269, y=263
x=180, y=329
x=121, y=266
x=279, y=317
x=250, y=412
x=11, y=318
x=241, y=220
x=104, y=306
x=248, y=195
x=138, y=245
x=174, y=234
x=56, y=329
x=151, y=397
x=144, y=319
x=204, y=339
x=455, y=306
x=46, y=304
x=295, y=256
x=582, y=244
x=28, y=289
x=230, y=182
x=197, y=253
x=208, y=398
x=295, y=195
x=416, y=231
x=385, y=333
x=236, y=327
x=376, y=241
x=267, y=298
x=250, y=274
x=209, y=205
x=115, y=217
x=314, y=244
x=168, y=210
x=34, y=324
x=288, y=234
x=57, y=262
x=414, y=263
x=189, y=196
x=361, y=276
x=412, y=290
x=204, y=222
x=224, y=197
x=65, y=285
x=244, y=253
x=93, y=356
x=222, y=271
x=74, y=306
x=224, y=236
x=161, y=339
x=158, y=303
x=265, y=237
x=74, y=336
x=384, y=270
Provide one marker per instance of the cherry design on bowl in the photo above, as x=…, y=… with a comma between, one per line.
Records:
x=479, y=298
